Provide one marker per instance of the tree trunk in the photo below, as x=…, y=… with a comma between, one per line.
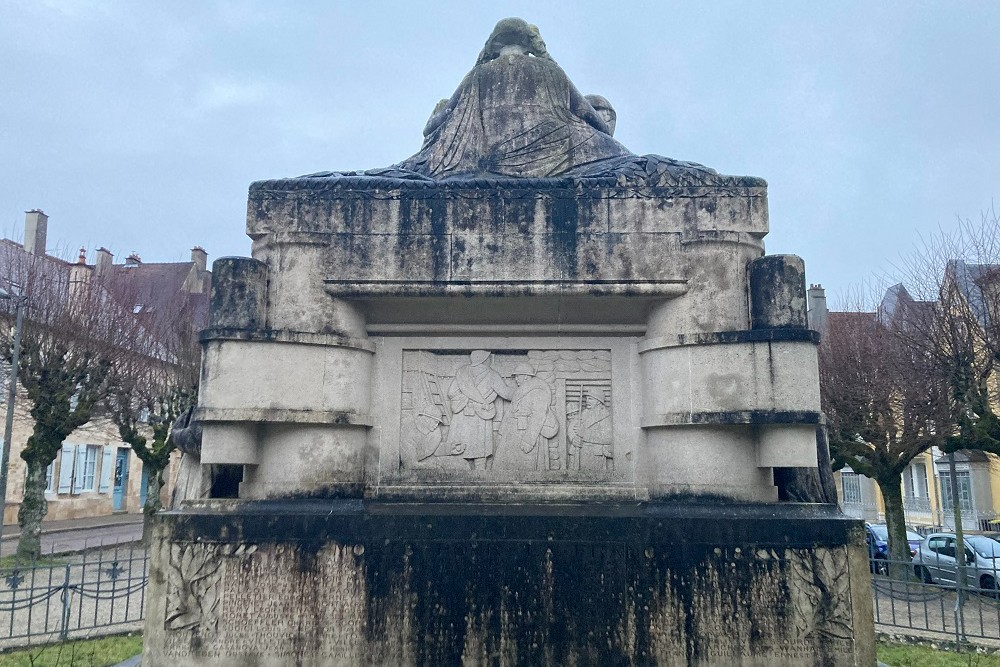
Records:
x=899, y=548
x=33, y=509
x=153, y=490
x=153, y=502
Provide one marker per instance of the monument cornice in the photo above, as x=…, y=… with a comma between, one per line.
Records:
x=284, y=416
x=730, y=338
x=734, y=417
x=373, y=187
x=505, y=288
x=284, y=336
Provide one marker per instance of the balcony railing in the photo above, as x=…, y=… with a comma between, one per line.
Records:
x=917, y=505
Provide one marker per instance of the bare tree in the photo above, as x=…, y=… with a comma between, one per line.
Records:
x=882, y=400
x=154, y=385
x=960, y=270
x=73, y=334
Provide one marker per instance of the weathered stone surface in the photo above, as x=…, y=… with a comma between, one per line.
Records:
x=239, y=293
x=778, y=293
x=341, y=584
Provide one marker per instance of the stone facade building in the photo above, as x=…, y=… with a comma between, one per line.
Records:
x=95, y=473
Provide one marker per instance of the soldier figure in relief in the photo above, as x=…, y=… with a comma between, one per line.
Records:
x=590, y=435
x=527, y=424
x=473, y=397
x=421, y=435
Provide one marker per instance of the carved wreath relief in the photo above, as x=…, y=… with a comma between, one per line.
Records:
x=540, y=411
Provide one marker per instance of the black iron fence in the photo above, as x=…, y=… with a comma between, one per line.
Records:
x=96, y=592
x=936, y=596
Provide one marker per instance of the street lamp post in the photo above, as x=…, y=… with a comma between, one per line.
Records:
x=11, y=394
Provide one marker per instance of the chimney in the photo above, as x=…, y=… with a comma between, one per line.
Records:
x=818, y=313
x=200, y=258
x=133, y=259
x=79, y=275
x=36, y=227
x=104, y=260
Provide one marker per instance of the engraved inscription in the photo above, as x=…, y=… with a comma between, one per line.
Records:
x=530, y=414
x=268, y=605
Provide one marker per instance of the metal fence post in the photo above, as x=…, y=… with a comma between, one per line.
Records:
x=64, y=631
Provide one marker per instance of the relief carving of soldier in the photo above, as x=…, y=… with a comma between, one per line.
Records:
x=527, y=424
x=590, y=435
x=421, y=434
x=474, y=397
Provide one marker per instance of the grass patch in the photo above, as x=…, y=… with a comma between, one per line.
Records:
x=102, y=652
x=906, y=655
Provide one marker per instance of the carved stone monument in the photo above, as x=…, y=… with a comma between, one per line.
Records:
x=524, y=398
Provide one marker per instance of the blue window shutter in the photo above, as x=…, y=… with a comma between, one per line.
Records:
x=66, y=468
x=107, y=465
x=79, y=468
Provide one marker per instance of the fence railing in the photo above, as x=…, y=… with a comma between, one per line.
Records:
x=89, y=591
x=927, y=594
x=104, y=591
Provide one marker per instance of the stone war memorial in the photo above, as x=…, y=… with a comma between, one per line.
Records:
x=523, y=398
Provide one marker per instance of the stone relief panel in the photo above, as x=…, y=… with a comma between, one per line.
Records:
x=508, y=413
x=194, y=573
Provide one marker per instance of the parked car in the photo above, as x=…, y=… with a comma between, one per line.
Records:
x=880, y=532
x=936, y=563
x=877, y=537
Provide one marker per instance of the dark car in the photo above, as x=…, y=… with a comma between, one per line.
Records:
x=877, y=538
x=881, y=534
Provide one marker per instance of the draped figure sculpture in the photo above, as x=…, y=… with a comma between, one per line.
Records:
x=539, y=123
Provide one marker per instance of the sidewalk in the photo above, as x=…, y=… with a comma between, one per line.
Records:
x=13, y=532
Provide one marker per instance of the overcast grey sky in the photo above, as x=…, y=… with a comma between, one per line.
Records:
x=139, y=125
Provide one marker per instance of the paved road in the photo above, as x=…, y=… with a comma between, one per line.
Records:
x=64, y=539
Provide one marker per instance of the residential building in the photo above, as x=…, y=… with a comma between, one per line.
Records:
x=95, y=473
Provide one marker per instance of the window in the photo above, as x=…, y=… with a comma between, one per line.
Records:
x=79, y=468
x=89, y=468
x=964, y=491
x=850, y=487
x=915, y=481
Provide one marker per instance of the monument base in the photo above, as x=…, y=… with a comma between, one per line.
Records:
x=340, y=582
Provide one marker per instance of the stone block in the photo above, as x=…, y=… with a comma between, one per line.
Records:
x=786, y=446
x=335, y=583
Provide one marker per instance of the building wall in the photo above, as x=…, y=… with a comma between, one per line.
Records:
x=100, y=432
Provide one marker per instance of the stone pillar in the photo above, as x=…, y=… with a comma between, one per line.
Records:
x=778, y=292
x=239, y=293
